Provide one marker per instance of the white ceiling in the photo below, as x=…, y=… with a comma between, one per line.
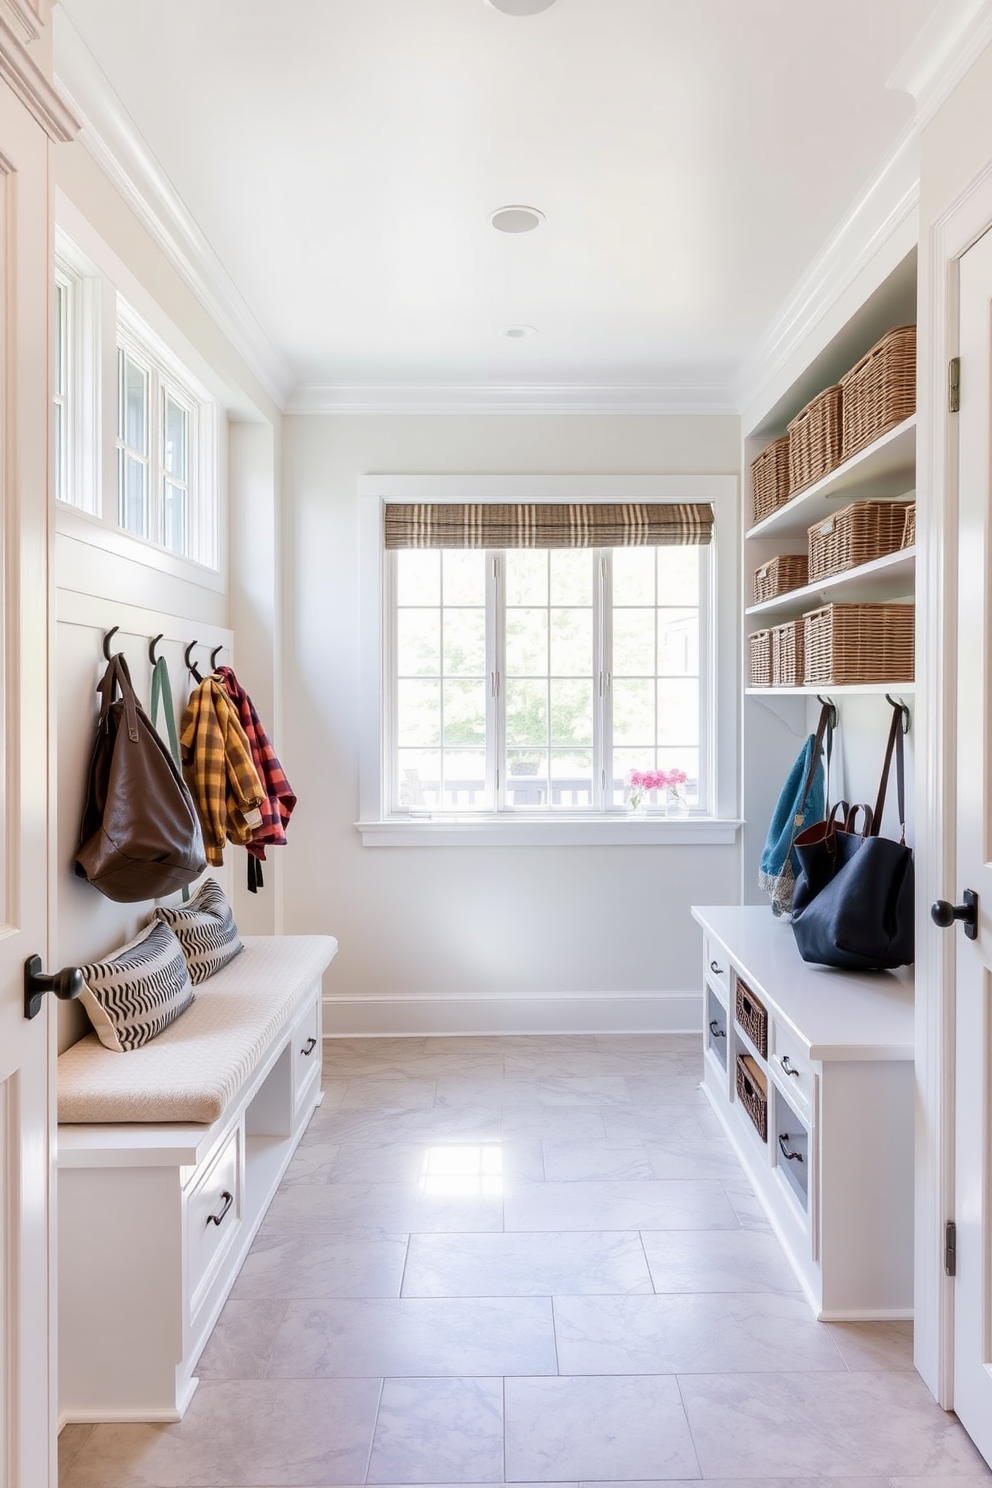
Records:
x=341, y=158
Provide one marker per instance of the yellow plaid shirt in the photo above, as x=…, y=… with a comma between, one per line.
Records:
x=218, y=768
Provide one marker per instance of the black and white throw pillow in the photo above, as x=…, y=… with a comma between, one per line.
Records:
x=205, y=929
x=139, y=990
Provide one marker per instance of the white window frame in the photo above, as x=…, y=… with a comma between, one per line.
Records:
x=721, y=705
x=81, y=403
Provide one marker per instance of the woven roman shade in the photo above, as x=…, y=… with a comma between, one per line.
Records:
x=436, y=524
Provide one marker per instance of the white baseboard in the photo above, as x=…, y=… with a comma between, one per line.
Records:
x=393, y=1015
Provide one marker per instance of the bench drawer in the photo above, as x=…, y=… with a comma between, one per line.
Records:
x=791, y=1066
x=717, y=966
x=213, y=1215
x=307, y=1051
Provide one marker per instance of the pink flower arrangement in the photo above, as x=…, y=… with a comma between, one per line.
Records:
x=649, y=780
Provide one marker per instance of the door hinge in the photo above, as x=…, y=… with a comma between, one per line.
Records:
x=951, y=1248
x=954, y=384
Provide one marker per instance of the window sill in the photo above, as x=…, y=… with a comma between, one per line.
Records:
x=614, y=831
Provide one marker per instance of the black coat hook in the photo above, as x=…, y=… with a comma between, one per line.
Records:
x=829, y=703
x=903, y=709
x=107, y=640
x=189, y=665
x=151, y=648
x=213, y=657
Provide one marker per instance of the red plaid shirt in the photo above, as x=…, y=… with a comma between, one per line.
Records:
x=279, y=801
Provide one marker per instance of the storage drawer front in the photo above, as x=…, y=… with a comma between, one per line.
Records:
x=751, y=1016
x=213, y=1215
x=792, y=1150
x=791, y=1067
x=717, y=965
x=716, y=1026
x=307, y=1052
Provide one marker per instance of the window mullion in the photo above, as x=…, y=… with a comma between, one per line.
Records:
x=389, y=768
x=496, y=672
x=603, y=636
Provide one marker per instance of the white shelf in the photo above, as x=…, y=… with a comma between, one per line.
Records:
x=897, y=689
x=890, y=577
x=885, y=469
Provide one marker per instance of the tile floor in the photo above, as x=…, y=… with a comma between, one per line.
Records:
x=528, y=1260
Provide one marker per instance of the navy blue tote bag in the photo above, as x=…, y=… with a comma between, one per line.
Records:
x=853, y=905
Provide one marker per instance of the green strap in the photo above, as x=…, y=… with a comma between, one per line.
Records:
x=162, y=695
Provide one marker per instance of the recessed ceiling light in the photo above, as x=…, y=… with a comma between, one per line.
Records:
x=520, y=7
x=516, y=219
x=518, y=332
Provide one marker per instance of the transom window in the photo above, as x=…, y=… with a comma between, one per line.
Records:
x=539, y=679
x=157, y=427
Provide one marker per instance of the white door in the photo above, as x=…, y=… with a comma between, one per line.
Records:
x=973, y=1087
x=27, y=1421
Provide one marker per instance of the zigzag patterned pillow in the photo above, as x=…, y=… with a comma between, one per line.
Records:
x=137, y=991
x=205, y=929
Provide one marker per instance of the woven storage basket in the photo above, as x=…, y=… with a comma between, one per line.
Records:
x=909, y=531
x=787, y=654
x=752, y=1017
x=752, y=1091
x=770, y=479
x=759, y=647
x=856, y=535
x=815, y=439
x=779, y=575
x=845, y=644
x=880, y=391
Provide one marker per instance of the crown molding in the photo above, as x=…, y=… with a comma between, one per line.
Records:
x=116, y=144
x=490, y=398
x=886, y=203
x=28, y=83
x=949, y=44
x=24, y=19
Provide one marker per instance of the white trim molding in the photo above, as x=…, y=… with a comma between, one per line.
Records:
x=25, y=79
x=950, y=42
x=887, y=201
x=488, y=398
x=113, y=139
x=387, y=1015
x=564, y=831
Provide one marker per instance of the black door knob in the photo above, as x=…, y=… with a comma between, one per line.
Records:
x=944, y=914
x=66, y=984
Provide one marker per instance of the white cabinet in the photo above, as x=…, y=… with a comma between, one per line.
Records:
x=833, y=1168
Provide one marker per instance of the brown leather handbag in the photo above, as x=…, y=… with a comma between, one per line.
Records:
x=140, y=836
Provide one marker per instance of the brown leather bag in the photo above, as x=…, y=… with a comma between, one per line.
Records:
x=140, y=836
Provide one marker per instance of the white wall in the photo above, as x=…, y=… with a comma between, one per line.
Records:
x=440, y=939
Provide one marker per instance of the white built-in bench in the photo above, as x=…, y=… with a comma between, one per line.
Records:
x=169, y=1156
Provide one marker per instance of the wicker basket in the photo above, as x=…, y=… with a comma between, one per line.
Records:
x=752, y=1092
x=856, y=535
x=880, y=391
x=815, y=439
x=759, y=647
x=770, y=479
x=752, y=1017
x=845, y=644
x=779, y=575
x=787, y=654
x=909, y=531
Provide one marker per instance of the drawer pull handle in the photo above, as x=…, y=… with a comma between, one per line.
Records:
x=789, y=1068
x=792, y=1156
x=218, y=1218
x=716, y=968
x=716, y=1030
x=311, y=1044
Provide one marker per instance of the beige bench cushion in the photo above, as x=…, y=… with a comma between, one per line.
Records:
x=195, y=1068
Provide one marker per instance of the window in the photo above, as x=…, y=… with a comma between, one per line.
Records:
x=532, y=680
x=158, y=428
x=63, y=292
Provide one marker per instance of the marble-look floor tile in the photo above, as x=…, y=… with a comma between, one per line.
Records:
x=469, y=1123
x=616, y=1205
x=757, y=1483
x=554, y=1124
x=717, y=1261
x=566, y=1162
x=458, y=1091
x=693, y=1157
x=657, y=1123
x=596, y=1430
x=377, y=1162
x=415, y=1336
x=311, y=1164
x=242, y=1340
x=263, y=1432
x=982, y=1475
x=72, y=1439
x=525, y=1265
x=873, y=1424
x=873, y=1345
x=391, y=1208
x=286, y=1266
x=637, y=1045
x=713, y=1333
x=664, y=1090
x=395, y=1093
x=594, y=1064
x=584, y=1090
x=746, y=1205
x=439, y=1430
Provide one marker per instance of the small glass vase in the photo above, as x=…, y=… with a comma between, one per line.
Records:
x=637, y=803
x=676, y=804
